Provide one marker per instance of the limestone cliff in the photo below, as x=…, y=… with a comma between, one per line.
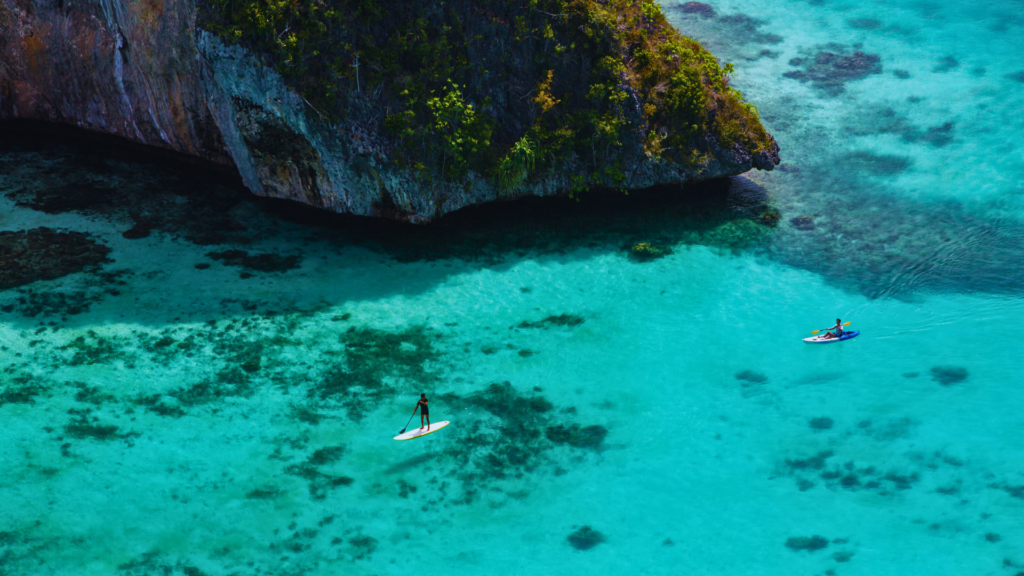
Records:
x=405, y=110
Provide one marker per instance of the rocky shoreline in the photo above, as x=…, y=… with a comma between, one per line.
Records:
x=150, y=75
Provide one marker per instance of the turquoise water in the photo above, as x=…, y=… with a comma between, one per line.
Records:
x=161, y=418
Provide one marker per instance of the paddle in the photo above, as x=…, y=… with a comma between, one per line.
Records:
x=409, y=422
x=816, y=331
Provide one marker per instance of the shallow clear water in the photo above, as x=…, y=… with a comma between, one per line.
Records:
x=163, y=417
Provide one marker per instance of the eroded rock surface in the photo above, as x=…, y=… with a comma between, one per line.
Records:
x=148, y=73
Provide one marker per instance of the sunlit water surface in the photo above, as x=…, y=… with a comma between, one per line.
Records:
x=237, y=419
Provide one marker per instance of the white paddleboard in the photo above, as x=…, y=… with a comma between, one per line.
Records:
x=417, y=432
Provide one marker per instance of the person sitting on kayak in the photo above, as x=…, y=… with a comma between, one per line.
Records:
x=838, y=328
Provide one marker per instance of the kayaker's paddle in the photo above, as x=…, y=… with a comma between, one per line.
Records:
x=816, y=331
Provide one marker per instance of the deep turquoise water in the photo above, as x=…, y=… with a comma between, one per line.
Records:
x=191, y=420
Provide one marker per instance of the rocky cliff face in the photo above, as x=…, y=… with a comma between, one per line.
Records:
x=144, y=70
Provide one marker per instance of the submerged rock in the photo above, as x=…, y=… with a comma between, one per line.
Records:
x=408, y=111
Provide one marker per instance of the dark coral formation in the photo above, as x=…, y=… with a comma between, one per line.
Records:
x=81, y=196
x=808, y=543
x=154, y=194
x=513, y=436
x=378, y=365
x=646, y=251
x=75, y=296
x=579, y=437
x=832, y=67
x=29, y=256
x=1013, y=491
x=585, y=538
x=749, y=377
x=886, y=120
x=865, y=23
x=21, y=390
x=83, y=428
x=320, y=483
x=258, y=262
x=948, y=375
x=139, y=231
x=744, y=28
x=945, y=64
x=698, y=8
x=822, y=423
x=884, y=164
x=803, y=223
x=566, y=320
x=846, y=476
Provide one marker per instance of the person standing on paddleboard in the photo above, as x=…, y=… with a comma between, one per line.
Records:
x=424, y=410
x=838, y=328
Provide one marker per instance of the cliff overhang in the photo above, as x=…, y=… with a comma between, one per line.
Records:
x=356, y=110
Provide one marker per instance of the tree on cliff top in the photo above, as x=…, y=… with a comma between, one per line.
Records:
x=465, y=84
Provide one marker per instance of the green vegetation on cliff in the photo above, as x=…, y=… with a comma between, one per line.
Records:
x=507, y=88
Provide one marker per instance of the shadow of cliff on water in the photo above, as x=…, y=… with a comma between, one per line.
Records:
x=729, y=213
x=174, y=223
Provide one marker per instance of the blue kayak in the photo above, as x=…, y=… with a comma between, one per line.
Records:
x=822, y=340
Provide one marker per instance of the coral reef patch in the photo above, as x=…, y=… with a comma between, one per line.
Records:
x=865, y=23
x=886, y=120
x=29, y=256
x=833, y=66
x=749, y=377
x=806, y=543
x=585, y=538
x=945, y=64
x=821, y=423
x=698, y=8
x=561, y=320
x=258, y=262
x=515, y=435
x=948, y=375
